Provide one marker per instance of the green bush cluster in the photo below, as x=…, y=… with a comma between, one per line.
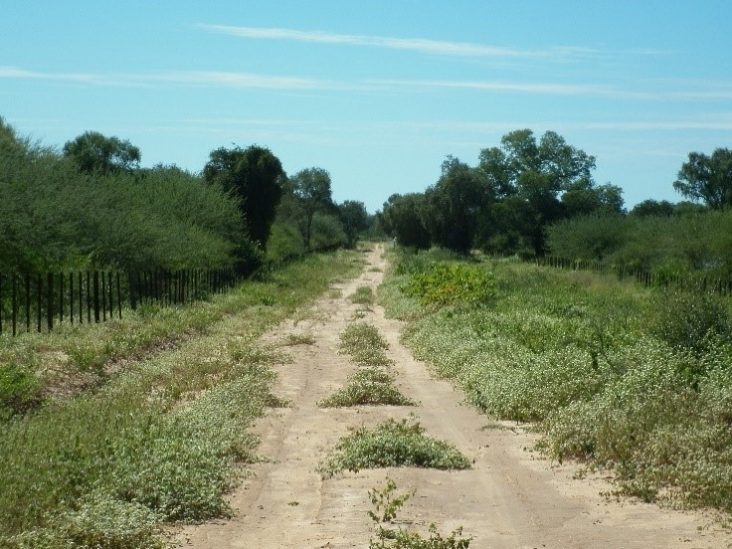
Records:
x=621, y=376
x=452, y=284
x=393, y=444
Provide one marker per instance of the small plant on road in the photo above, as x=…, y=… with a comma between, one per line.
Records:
x=386, y=505
x=363, y=295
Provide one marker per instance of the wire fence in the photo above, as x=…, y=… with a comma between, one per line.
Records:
x=697, y=282
x=39, y=301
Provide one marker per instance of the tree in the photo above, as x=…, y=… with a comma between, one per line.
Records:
x=651, y=207
x=311, y=188
x=453, y=206
x=255, y=177
x=583, y=198
x=707, y=178
x=402, y=218
x=533, y=174
x=355, y=219
x=95, y=153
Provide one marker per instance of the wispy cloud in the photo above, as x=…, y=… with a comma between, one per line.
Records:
x=421, y=45
x=717, y=92
x=189, y=78
x=499, y=86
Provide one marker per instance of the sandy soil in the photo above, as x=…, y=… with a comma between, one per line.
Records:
x=510, y=498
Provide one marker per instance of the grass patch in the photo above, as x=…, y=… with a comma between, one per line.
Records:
x=299, y=339
x=365, y=345
x=363, y=295
x=161, y=440
x=368, y=386
x=393, y=444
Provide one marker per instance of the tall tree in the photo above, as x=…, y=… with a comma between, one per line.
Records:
x=707, y=178
x=534, y=174
x=402, y=217
x=93, y=152
x=255, y=177
x=453, y=206
x=311, y=188
x=355, y=219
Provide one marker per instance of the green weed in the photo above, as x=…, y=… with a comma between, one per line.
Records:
x=393, y=444
x=386, y=505
x=363, y=295
x=368, y=386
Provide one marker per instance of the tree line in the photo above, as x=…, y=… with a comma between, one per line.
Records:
x=90, y=205
x=537, y=195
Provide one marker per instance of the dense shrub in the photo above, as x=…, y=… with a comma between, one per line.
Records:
x=452, y=284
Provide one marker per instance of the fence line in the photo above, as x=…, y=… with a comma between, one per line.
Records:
x=38, y=301
x=699, y=282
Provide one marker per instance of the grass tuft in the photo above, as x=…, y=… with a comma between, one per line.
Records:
x=363, y=295
x=392, y=444
x=368, y=386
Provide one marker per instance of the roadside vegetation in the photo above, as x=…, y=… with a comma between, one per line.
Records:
x=635, y=380
x=161, y=439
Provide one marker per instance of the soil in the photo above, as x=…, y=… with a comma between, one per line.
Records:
x=510, y=498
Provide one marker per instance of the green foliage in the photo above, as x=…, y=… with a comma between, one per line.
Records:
x=327, y=232
x=707, y=178
x=402, y=218
x=393, y=444
x=94, y=153
x=618, y=375
x=385, y=503
x=20, y=389
x=386, y=506
x=355, y=220
x=53, y=217
x=693, y=321
x=674, y=245
x=311, y=189
x=365, y=345
x=159, y=440
x=253, y=176
x=363, y=295
x=452, y=284
x=370, y=385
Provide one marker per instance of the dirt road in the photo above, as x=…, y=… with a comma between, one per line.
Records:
x=510, y=498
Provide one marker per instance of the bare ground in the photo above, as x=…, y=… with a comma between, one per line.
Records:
x=510, y=498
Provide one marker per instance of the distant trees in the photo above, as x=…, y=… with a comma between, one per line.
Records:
x=707, y=178
x=94, y=153
x=254, y=176
x=505, y=202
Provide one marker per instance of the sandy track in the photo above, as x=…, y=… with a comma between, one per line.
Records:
x=510, y=498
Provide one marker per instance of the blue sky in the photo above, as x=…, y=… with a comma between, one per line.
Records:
x=377, y=92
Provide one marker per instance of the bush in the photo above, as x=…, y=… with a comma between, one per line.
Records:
x=20, y=390
x=692, y=321
x=452, y=284
x=393, y=444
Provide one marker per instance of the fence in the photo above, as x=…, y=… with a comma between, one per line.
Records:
x=699, y=282
x=39, y=301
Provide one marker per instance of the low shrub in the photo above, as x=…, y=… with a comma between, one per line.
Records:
x=393, y=444
x=452, y=284
x=368, y=386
